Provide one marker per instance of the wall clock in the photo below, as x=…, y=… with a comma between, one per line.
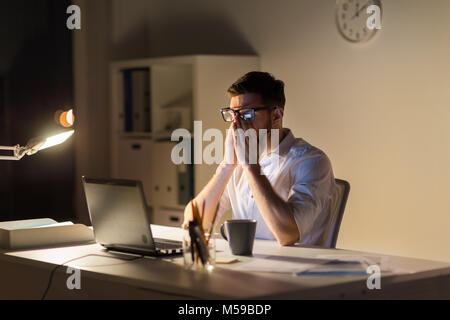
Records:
x=351, y=19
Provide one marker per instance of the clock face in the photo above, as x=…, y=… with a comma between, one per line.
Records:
x=351, y=19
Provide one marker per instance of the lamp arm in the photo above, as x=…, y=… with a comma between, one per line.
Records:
x=34, y=145
x=19, y=152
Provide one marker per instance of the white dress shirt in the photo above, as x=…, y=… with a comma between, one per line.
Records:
x=303, y=177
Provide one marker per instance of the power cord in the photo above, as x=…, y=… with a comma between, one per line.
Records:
x=75, y=259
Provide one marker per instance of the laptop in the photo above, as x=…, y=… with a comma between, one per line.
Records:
x=118, y=213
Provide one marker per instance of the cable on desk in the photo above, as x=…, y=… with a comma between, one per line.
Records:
x=72, y=260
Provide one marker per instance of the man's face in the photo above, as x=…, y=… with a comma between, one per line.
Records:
x=263, y=118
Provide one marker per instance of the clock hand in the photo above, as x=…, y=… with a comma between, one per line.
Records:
x=357, y=13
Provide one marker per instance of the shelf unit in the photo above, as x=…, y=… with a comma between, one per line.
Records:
x=182, y=89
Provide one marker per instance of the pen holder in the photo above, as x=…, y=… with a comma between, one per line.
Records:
x=191, y=255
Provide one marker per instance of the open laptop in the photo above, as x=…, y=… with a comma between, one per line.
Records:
x=118, y=213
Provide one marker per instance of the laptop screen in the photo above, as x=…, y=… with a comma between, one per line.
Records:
x=118, y=213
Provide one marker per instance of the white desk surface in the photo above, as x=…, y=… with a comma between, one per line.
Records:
x=25, y=274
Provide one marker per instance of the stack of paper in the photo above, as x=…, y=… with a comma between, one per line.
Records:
x=337, y=268
x=36, y=233
x=279, y=264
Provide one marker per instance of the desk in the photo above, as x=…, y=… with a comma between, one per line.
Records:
x=25, y=275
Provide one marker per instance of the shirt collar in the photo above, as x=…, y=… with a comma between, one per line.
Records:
x=284, y=147
x=287, y=142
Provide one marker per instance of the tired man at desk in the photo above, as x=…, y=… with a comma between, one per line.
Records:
x=290, y=198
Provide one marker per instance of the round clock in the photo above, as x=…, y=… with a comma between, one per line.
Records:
x=351, y=19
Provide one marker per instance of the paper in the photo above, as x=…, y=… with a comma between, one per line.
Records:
x=60, y=224
x=226, y=260
x=367, y=260
x=337, y=268
x=15, y=235
x=31, y=224
x=363, y=259
x=278, y=264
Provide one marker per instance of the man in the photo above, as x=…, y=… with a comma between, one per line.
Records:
x=288, y=189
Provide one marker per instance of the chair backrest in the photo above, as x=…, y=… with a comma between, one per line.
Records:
x=336, y=212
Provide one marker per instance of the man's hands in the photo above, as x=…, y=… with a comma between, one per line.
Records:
x=209, y=197
x=245, y=142
x=241, y=145
x=276, y=212
x=244, y=150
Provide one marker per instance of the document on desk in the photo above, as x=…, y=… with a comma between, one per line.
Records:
x=31, y=224
x=357, y=264
x=278, y=264
x=37, y=233
x=337, y=268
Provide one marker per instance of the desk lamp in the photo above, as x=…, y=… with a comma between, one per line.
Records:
x=35, y=145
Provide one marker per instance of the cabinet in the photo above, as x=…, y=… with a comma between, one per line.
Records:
x=150, y=98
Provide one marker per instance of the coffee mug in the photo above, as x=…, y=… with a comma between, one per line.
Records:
x=240, y=235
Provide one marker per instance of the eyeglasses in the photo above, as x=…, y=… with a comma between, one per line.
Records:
x=246, y=114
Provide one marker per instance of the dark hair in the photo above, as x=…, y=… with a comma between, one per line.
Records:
x=270, y=89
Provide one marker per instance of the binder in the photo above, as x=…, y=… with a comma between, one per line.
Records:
x=128, y=100
x=136, y=86
x=140, y=81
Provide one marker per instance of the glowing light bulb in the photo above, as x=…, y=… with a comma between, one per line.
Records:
x=70, y=118
x=65, y=118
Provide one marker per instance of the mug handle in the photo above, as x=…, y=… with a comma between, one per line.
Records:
x=222, y=231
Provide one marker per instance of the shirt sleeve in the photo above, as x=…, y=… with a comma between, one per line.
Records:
x=312, y=187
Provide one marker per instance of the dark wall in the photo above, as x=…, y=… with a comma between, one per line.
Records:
x=36, y=65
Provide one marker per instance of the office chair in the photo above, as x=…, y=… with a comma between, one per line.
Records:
x=337, y=212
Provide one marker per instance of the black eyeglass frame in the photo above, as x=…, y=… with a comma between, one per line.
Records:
x=238, y=112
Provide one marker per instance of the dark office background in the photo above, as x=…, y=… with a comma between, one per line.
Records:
x=35, y=81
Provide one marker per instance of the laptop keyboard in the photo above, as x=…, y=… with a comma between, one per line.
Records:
x=164, y=244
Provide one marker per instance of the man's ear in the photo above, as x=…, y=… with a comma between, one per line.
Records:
x=277, y=117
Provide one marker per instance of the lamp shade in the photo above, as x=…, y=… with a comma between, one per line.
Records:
x=55, y=140
x=38, y=144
